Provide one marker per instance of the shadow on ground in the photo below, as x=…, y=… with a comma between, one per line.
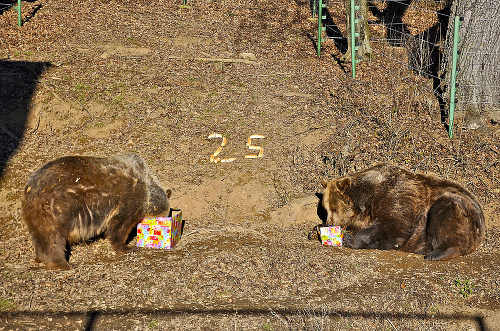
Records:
x=90, y=318
x=18, y=82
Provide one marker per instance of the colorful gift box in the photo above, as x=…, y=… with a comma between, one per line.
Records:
x=160, y=232
x=331, y=235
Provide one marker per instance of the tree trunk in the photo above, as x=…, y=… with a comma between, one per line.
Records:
x=364, y=52
x=478, y=76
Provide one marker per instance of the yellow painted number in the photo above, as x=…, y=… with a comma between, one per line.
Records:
x=253, y=147
x=215, y=156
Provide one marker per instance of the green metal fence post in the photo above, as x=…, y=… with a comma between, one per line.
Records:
x=321, y=29
x=18, y=8
x=353, y=37
x=453, y=83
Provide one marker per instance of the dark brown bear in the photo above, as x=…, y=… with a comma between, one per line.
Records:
x=75, y=198
x=387, y=207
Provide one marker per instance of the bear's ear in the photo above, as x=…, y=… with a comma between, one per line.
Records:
x=343, y=184
x=324, y=183
x=169, y=193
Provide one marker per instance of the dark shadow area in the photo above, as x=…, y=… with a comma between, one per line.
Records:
x=425, y=55
x=392, y=18
x=322, y=214
x=333, y=32
x=32, y=13
x=313, y=7
x=341, y=64
x=18, y=82
x=424, y=50
x=91, y=317
x=6, y=5
x=320, y=210
x=313, y=41
x=182, y=226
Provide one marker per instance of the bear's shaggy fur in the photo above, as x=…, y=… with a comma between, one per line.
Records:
x=387, y=207
x=75, y=198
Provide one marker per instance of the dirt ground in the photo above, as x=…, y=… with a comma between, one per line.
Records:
x=105, y=77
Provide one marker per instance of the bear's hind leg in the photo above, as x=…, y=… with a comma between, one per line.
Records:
x=38, y=256
x=451, y=228
x=53, y=252
x=57, y=265
x=443, y=254
x=49, y=241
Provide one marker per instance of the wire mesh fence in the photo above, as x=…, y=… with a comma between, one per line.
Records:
x=414, y=35
x=6, y=5
x=9, y=4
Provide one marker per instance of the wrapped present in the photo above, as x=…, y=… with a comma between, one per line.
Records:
x=160, y=232
x=331, y=235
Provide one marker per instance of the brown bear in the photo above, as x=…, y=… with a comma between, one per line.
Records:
x=387, y=207
x=75, y=198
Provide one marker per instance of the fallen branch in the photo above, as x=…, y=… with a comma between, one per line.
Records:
x=391, y=324
x=214, y=59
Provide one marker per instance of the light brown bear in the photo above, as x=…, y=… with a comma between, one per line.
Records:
x=75, y=198
x=387, y=207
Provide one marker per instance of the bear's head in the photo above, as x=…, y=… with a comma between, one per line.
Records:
x=337, y=203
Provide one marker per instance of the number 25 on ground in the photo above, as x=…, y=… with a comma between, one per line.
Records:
x=215, y=159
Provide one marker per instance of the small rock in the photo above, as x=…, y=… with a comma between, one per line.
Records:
x=248, y=56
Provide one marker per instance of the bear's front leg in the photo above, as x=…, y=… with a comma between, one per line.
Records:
x=119, y=228
x=370, y=238
x=360, y=240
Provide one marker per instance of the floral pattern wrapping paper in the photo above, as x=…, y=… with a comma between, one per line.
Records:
x=160, y=232
x=331, y=235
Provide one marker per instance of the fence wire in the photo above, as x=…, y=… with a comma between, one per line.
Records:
x=5, y=6
x=421, y=38
x=420, y=27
